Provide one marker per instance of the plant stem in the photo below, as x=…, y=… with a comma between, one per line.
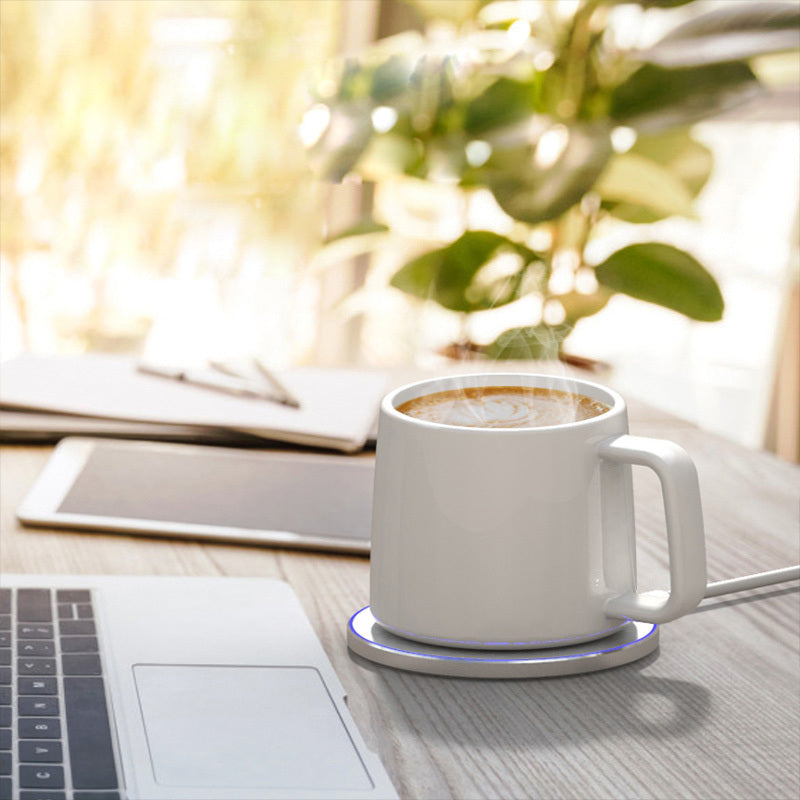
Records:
x=590, y=220
x=577, y=58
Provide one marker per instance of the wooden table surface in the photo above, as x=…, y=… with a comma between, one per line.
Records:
x=714, y=713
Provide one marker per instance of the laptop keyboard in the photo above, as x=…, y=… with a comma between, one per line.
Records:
x=55, y=737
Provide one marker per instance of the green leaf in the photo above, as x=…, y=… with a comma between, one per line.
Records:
x=456, y=11
x=361, y=238
x=666, y=276
x=503, y=102
x=362, y=228
x=633, y=179
x=344, y=140
x=655, y=3
x=446, y=275
x=738, y=31
x=633, y=212
x=654, y=98
x=391, y=77
x=738, y=18
x=532, y=342
x=683, y=157
x=388, y=155
x=486, y=294
x=577, y=305
x=676, y=150
x=532, y=193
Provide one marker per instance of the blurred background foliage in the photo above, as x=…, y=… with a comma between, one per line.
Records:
x=151, y=137
x=506, y=136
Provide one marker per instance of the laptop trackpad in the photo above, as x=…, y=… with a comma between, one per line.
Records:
x=250, y=727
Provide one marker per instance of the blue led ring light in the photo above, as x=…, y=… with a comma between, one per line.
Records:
x=494, y=658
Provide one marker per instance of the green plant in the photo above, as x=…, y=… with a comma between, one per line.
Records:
x=568, y=130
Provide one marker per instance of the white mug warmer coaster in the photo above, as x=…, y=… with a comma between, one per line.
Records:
x=367, y=638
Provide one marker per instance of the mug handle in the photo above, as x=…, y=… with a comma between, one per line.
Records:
x=686, y=539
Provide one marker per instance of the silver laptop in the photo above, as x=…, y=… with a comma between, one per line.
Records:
x=154, y=688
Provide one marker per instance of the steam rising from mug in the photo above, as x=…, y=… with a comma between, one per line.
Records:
x=503, y=407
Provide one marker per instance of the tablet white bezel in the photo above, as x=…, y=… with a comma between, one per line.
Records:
x=41, y=504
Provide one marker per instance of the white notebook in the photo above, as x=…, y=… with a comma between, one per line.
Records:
x=338, y=407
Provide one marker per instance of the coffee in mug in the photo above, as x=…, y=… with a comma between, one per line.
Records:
x=498, y=524
x=503, y=407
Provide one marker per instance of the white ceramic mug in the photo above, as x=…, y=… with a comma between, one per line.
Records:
x=522, y=537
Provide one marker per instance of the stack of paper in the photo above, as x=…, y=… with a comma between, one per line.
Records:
x=337, y=407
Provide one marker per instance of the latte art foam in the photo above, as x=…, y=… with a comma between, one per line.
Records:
x=503, y=407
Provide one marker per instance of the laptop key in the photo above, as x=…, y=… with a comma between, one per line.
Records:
x=41, y=751
x=33, y=605
x=38, y=707
x=95, y=796
x=81, y=664
x=37, y=686
x=34, y=647
x=35, y=631
x=36, y=666
x=39, y=728
x=39, y=776
x=78, y=644
x=90, y=749
x=73, y=596
x=76, y=627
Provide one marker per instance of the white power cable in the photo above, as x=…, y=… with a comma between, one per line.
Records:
x=753, y=581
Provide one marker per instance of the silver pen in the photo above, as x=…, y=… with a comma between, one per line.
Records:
x=220, y=383
x=283, y=395
x=291, y=400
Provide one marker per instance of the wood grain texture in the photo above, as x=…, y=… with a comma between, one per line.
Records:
x=714, y=713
